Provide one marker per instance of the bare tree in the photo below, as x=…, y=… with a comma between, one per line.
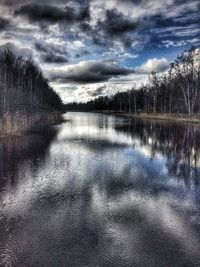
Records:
x=186, y=71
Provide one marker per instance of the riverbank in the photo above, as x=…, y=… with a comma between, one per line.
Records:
x=18, y=124
x=174, y=117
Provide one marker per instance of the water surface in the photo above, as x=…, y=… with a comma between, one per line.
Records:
x=101, y=191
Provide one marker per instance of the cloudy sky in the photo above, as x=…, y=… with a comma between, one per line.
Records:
x=88, y=48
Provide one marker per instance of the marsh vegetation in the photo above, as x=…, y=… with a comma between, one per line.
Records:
x=26, y=99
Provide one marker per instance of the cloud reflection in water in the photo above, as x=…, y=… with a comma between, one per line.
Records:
x=110, y=192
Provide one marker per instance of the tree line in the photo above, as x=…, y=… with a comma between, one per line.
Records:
x=177, y=91
x=26, y=98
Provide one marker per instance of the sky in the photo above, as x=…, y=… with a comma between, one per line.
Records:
x=92, y=48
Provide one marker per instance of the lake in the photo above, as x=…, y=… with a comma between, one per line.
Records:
x=101, y=190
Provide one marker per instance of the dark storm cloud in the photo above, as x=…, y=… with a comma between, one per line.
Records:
x=84, y=14
x=85, y=27
x=11, y=3
x=35, y=12
x=114, y=26
x=89, y=72
x=53, y=58
x=117, y=24
x=4, y=24
x=51, y=53
x=52, y=14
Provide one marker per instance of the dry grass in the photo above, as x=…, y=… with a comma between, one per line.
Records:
x=175, y=117
x=18, y=123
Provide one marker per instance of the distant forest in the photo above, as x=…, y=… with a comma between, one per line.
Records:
x=177, y=91
x=26, y=99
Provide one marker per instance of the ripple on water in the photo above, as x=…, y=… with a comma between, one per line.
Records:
x=105, y=192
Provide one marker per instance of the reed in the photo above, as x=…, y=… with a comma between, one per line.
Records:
x=18, y=123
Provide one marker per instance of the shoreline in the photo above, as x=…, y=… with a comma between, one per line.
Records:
x=48, y=120
x=174, y=117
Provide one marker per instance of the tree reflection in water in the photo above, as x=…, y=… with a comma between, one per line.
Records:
x=18, y=151
x=179, y=143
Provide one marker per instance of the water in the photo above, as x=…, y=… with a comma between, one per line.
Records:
x=101, y=191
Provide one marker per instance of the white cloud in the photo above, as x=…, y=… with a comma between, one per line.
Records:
x=78, y=44
x=183, y=8
x=155, y=64
x=84, y=93
x=169, y=43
